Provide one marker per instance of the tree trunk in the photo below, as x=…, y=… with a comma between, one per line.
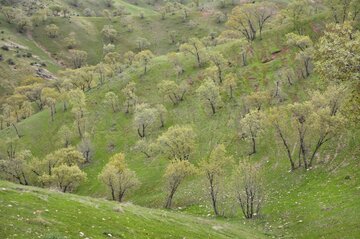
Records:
x=213, y=109
x=16, y=130
x=213, y=195
x=286, y=147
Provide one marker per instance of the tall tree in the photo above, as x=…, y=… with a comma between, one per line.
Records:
x=249, y=19
x=174, y=175
x=214, y=168
x=337, y=61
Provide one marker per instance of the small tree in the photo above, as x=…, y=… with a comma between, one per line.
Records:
x=196, y=48
x=86, y=148
x=112, y=100
x=118, y=178
x=16, y=166
x=220, y=63
x=144, y=117
x=78, y=101
x=78, y=58
x=248, y=189
x=305, y=45
x=70, y=41
x=210, y=94
x=343, y=11
x=10, y=117
x=142, y=43
x=67, y=178
x=337, y=62
x=214, y=169
x=256, y=100
x=249, y=19
x=10, y=13
x=143, y=58
x=230, y=84
x=23, y=23
x=250, y=127
x=109, y=33
x=65, y=135
x=161, y=112
x=172, y=90
x=129, y=58
x=298, y=11
x=130, y=96
x=52, y=30
x=177, y=143
x=49, y=97
x=174, y=175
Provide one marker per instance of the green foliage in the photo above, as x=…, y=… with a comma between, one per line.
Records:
x=177, y=143
x=118, y=178
x=175, y=173
x=209, y=93
x=144, y=118
x=112, y=100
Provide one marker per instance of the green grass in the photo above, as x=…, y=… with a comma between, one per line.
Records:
x=29, y=212
x=319, y=203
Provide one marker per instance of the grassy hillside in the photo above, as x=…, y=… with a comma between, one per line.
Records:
x=37, y=213
x=54, y=53
x=317, y=203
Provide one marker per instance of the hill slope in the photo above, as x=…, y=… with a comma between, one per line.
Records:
x=29, y=212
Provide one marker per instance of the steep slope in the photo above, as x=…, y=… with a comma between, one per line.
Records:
x=29, y=212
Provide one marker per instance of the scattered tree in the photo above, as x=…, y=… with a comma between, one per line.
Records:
x=118, y=178
x=174, y=175
x=78, y=58
x=196, y=48
x=250, y=127
x=177, y=143
x=143, y=58
x=52, y=30
x=144, y=117
x=130, y=96
x=230, y=84
x=112, y=100
x=248, y=189
x=214, y=168
x=209, y=93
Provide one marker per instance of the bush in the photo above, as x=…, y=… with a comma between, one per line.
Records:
x=11, y=62
x=5, y=48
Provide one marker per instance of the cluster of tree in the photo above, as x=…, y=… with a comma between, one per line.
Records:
x=17, y=17
x=60, y=169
